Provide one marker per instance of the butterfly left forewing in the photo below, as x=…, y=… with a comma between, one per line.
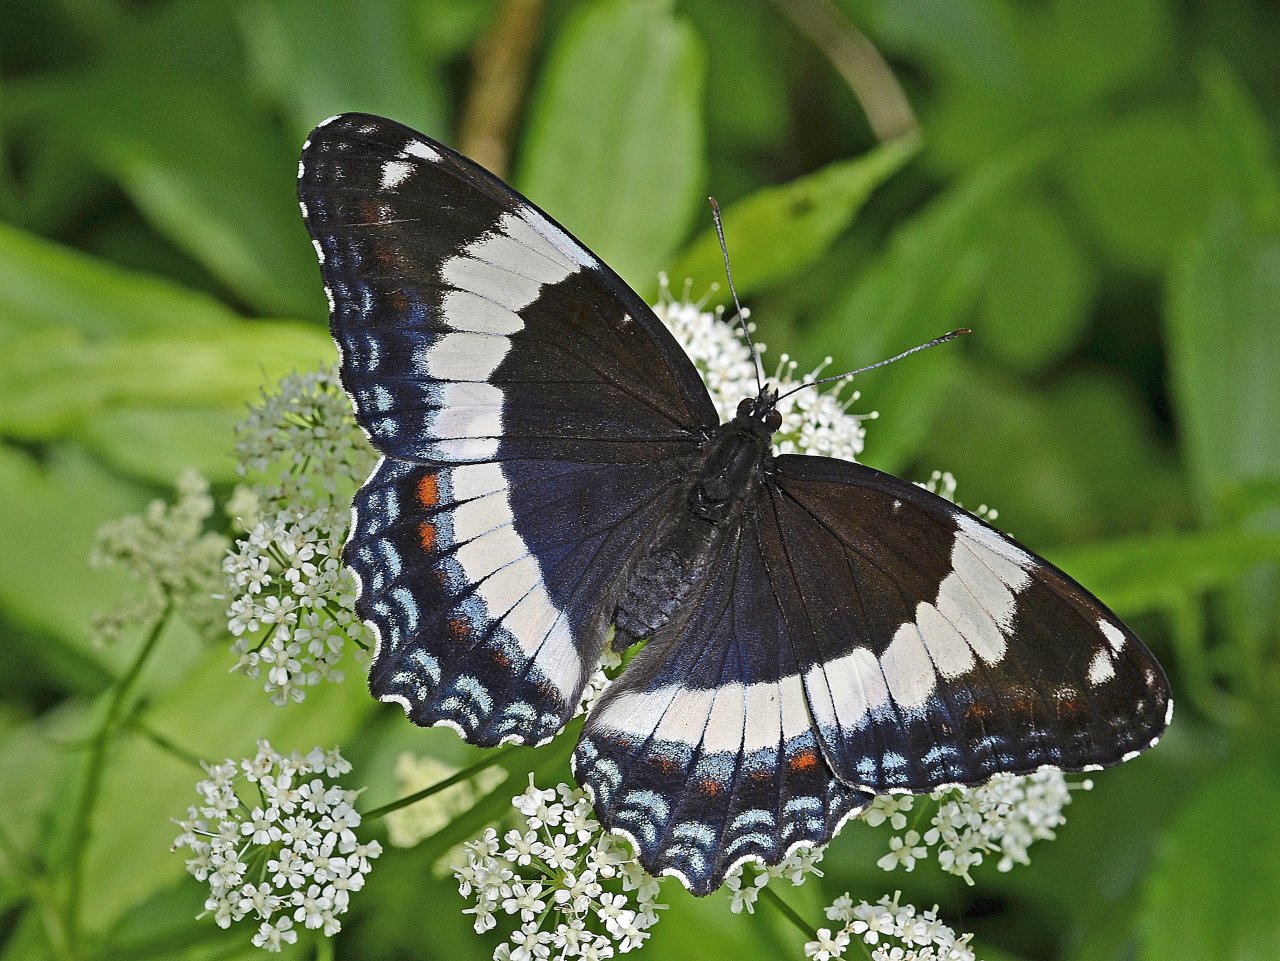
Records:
x=934, y=650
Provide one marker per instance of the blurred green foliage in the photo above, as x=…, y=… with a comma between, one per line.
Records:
x=1094, y=188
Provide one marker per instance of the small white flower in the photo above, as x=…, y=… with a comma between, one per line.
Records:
x=889, y=807
x=744, y=892
x=273, y=937
x=904, y=851
x=827, y=945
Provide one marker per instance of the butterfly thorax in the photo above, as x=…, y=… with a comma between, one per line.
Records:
x=719, y=489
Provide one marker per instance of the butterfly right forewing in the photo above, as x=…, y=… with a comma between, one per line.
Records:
x=933, y=649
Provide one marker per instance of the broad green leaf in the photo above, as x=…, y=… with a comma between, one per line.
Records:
x=1139, y=574
x=318, y=59
x=923, y=285
x=217, y=179
x=1242, y=147
x=53, y=381
x=44, y=284
x=1068, y=462
x=747, y=104
x=1223, y=327
x=1081, y=62
x=1140, y=184
x=156, y=444
x=1212, y=892
x=777, y=232
x=52, y=510
x=614, y=149
x=214, y=714
x=1036, y=302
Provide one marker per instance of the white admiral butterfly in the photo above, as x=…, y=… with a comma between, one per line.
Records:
x=819, y=632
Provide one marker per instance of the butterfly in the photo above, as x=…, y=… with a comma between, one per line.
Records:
x=818, y=632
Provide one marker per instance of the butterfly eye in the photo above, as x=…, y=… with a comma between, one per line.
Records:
x=744, y=406
x=773, y=420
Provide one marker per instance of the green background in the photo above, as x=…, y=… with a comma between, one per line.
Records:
x=1095, y=191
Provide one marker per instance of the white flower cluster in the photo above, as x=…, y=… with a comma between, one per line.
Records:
x=894, y=932
x=574, y=890
x=1005, y=816
x=813, y=421
x=169, y=551
x=292, y=608
x=747, y=880
x=275, y=838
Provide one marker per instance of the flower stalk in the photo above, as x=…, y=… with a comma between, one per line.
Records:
x=82, y=820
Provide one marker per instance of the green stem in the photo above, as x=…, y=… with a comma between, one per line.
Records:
x=493, y=758
x=791, y=914
x=166, y=745
x=82, y=821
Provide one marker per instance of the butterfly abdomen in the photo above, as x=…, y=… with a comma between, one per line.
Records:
x=669, y=574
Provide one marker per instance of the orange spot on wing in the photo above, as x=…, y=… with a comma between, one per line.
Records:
x=501, y=659
x=428, y=491
x=427, y=536
x=804, y=761
x=711, y=787
x=978, y=709
x=459, y=628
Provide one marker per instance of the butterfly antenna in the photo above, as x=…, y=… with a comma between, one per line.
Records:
x=951, y=335
x=724, y=249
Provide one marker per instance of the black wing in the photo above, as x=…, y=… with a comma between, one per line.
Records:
x=509, y=377
x=704, y=752
x=934, y=650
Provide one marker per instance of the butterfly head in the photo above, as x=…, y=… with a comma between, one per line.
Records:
x=760, y=413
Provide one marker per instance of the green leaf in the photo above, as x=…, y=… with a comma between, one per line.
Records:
x=157, y=444
x=217, y=178
x=924, y=284
x=777, y=232
x=51, y=382
x=43, y=284
x=1036, y=301
x=1140, y=574
x=1086, y=63
x=1242, y=158
x=318, y=59
x=1212, y=892
x=1141, y=184
x=1223, y=326
x=1070, y=462
x=614, y=149
x=53, y=509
